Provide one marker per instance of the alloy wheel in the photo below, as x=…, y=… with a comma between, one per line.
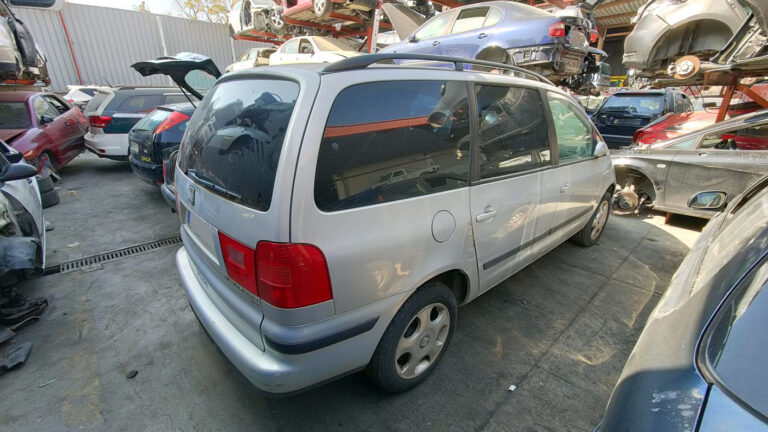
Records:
x=422, y=341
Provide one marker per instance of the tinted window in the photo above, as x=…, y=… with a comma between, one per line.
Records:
x=140, y=103
x=88, y=91
x=305, y=47
x=175, y=99
x=736, y=352
x=574, y=135
x=470, y=19
x=151, y=121
x=14, y=115
x=236, y=136
x=513, y=130
x=753, y=138
x=435, y=27
x=634, y=103
x=96, y=101
x=413, y=141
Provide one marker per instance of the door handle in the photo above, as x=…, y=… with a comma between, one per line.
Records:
x=702, y=154
x=482, y=35
x=487, y=214
x=565, y=187
x=435, y=43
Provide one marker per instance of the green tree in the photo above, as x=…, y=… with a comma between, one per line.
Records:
x=206, y=10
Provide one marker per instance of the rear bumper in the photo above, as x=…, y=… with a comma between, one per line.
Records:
x=558, y=58
x=149, y=172
x=169, y=196
x=111, y=146
x=300, y=359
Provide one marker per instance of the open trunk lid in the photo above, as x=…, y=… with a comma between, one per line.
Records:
x=194, y=73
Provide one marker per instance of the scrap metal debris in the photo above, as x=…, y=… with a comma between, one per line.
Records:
x=47, y=383
x=132, y=374
x=15, y=357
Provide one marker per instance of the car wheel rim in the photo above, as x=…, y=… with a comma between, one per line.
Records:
x=319, y=6
x=422, y=341
x=598, y=223
x=277, y=20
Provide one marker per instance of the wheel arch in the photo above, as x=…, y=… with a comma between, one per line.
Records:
x=625, y=171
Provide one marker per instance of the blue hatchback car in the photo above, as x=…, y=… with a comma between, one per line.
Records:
x=505, y=32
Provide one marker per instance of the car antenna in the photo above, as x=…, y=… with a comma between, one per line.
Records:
x=105, y=80
x=187, y=96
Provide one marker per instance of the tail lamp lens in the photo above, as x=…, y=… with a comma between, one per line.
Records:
x=557, y=30
x=240, y=262
x=292, y=275
x=172, y=120
x=98, y=121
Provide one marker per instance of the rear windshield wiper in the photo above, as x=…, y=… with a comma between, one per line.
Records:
x=208, y=182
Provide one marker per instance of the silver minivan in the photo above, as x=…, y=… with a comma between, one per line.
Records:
x=334, y=216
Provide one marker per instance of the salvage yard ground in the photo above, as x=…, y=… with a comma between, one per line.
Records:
x=560, y=331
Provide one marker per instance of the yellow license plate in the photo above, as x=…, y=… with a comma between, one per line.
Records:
x=145, y=159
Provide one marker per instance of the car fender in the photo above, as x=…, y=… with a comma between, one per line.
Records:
x=27, y=194
x=650, y=168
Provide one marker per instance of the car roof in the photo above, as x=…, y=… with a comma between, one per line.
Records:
x=17, y=96
x=184, y=107
x=751, y=119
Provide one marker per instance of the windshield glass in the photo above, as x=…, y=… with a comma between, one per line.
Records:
x=235, y=137
x=634, y=103
x=331, y=45
x=14, y=115
x=200, y=80
x=152, y=121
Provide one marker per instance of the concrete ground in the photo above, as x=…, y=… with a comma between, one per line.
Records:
x=560, y=331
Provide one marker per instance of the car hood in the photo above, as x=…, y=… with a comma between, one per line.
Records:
x=178, y=68
x=404, y=19
x=8, y=135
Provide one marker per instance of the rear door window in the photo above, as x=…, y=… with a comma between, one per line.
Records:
x=235, y=138
x=413, y=141
x=175, y=99
x=140, y=103
x=95, y=103
x=513, y=130
x=469, y=19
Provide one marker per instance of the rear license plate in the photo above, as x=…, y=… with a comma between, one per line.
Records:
x=202, y=232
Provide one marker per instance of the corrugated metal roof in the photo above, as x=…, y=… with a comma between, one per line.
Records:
x=106, y=41
x=623, y=12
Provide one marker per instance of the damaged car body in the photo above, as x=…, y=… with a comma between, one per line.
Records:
x=725, y=157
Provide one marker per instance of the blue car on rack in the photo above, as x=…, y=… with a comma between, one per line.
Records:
x=505, y=32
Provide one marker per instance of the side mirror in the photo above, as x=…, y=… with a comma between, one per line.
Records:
x=601, y=149
x=45, y=119
x=17, y=172
x=710, y=200
x=412, y=38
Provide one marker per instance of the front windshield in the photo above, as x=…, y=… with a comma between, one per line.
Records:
x=635, y=103
x=331, y=45
x=14, y=115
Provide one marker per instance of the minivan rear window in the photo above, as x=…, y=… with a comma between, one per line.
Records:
x=96, y=101
x=234, y=139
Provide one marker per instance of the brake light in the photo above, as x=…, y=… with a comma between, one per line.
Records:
x=240, y=262
x=98, y=121
x=593, y=36
x=637, y=135
x=292, y=275
x=557, y=30
x=172, y=120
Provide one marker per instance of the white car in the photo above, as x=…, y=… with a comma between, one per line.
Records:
x=312, y=49
x=80, y=95
x=251, y=58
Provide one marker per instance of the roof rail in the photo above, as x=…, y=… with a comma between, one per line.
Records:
x=363, y=61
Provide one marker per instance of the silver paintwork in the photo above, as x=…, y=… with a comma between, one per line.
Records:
x=377, y=255
x=677, y=175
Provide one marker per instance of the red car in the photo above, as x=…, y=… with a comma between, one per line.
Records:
x=42, y=124
x=675, y=125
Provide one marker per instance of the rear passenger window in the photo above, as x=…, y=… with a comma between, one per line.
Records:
x=141, y=103
x=574, y=134
x=388, y=141
x=175, y=99
x=469, y=19
x=513, y=130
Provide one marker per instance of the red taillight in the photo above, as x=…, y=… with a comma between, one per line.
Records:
x=98, y=121
x=292, y=275
x=593, y=36
x=557, y=30
x=171, y=121
x=637, y=135
x=240, y=261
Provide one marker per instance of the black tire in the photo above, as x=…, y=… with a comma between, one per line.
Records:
x=322, y=8
x=589, y=235
x=388, y=371
x=49, y=199
x=45, y=184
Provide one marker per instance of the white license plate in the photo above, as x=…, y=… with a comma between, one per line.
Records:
x=203, y=233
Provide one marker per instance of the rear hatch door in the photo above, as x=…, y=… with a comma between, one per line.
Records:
x=234, y=179
x=194, y=73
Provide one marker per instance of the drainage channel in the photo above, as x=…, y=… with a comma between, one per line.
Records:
x=113, y=255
